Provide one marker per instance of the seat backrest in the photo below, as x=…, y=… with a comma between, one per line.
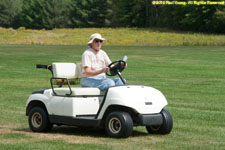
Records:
x=67, y=70
x=78, y=72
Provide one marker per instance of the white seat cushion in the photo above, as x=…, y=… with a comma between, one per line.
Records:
x=79, y=91
x=64, y=70
x=67, y=70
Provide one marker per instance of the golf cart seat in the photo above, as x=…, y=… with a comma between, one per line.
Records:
x=67, y=72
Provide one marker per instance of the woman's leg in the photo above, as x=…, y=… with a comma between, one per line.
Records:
x=117, y=81
x=90, y=82
x=106, y=83
x=102, y=83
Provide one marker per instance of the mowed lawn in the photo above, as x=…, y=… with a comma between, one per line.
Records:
x=192, y=79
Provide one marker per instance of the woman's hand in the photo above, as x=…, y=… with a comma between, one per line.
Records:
x=104, y=70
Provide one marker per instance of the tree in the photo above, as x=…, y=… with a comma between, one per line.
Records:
x=100, y=13
x=134, y=13
x=9, y=10
x=123, y=14
x=46, y=14
x=49, y=14
x=197, y=18
x=218, y=22
x=90, y=13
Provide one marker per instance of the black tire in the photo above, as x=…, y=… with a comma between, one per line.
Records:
x=119, y=124
x=165, y=128
x=38, y=120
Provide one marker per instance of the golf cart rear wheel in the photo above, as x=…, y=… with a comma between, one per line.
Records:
x=119, y=124
x=38, y=120
x=165, y=128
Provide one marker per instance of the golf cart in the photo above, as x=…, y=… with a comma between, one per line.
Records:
x=116, y=110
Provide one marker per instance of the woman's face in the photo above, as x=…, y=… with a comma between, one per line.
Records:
x=97, y=44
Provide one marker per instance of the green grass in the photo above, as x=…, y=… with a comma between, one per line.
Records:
x=192, y=79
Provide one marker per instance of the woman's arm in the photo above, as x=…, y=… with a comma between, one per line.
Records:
x=89, y=72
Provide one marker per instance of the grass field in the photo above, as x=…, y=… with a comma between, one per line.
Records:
x=114, y=36
x=192, y=79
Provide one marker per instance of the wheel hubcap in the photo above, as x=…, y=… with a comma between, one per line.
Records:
x=36, y=119
x=114, y=125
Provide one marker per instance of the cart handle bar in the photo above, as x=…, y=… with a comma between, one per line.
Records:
x=40, y=66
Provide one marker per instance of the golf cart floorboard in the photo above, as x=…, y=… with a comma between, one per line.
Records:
x=87, y=121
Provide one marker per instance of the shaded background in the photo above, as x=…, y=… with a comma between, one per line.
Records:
x=49, y=14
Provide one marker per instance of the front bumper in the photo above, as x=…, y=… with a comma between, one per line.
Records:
x=150, y=119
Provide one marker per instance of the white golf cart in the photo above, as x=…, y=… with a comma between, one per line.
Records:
x=117, y=109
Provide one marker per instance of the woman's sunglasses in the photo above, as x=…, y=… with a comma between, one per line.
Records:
x=96, y=41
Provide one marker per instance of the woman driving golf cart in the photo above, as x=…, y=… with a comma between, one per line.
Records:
x=95, y=64
x=117, y=110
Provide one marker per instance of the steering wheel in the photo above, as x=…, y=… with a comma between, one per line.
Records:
x=115, y=67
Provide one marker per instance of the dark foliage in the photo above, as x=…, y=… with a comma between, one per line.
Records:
x=49, y=14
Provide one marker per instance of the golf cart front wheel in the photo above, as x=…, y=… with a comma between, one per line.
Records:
x=38, y=120
x=165, y=128
x=119, y=124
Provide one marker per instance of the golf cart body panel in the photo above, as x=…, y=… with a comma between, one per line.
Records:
x=67, y=106
x=74, y=106
x=38, y=97
x=143, y=99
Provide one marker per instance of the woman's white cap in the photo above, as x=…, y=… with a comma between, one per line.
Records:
x=95, y=36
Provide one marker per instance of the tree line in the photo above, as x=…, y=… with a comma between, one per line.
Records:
x=50, y=14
